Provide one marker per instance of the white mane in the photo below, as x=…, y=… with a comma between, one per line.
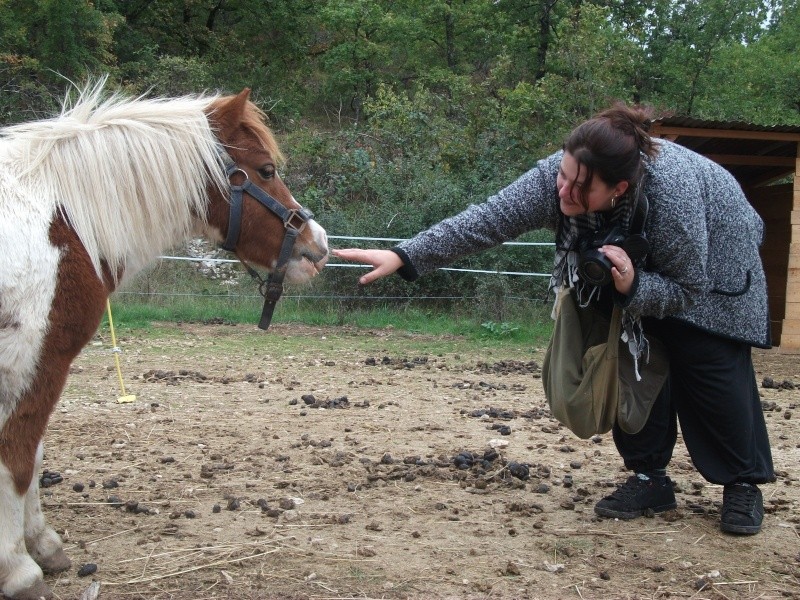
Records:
x=130, y=175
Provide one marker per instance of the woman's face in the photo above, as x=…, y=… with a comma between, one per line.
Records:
x=572, y=184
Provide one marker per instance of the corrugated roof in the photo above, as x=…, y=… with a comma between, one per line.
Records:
x=755, y=154
x=677, y=121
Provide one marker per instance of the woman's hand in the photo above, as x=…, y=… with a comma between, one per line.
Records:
x=622, y=272
x=384, y=262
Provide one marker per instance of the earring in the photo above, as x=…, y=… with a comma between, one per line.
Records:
x=613, y=201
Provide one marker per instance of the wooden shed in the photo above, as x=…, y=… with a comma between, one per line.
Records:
x=766, y=162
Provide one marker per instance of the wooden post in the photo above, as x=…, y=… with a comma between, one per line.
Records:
x=790, y=335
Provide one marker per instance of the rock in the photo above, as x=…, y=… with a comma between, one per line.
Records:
x=92, y=592
x=495, y=443
x=554, y=567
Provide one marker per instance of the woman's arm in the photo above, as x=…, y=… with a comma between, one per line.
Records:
x=531, y=202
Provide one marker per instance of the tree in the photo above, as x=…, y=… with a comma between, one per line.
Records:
x=683, y=39
x=594, y=60
x=72, y=39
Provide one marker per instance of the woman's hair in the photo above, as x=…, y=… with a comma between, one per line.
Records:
x=611, y=144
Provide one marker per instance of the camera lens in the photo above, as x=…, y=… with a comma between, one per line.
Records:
x=595, y=269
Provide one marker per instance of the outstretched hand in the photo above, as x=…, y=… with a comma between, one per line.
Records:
x=384, y=262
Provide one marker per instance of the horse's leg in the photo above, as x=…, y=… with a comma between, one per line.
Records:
x=22, y=524
x=21, y=577
x=75, y=312
x=21, y=455
x=43, y=543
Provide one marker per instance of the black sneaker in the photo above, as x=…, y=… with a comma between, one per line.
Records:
x=742, y=509
x=637, y=496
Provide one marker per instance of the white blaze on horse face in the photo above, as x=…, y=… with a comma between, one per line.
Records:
x=320, y=237
x=308, y=259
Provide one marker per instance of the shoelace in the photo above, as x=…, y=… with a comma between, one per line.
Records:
x=740, y=498
x=630, y=488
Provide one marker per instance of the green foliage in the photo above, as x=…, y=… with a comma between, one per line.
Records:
x=397, y=114
x=499, y=329
x=594, y=60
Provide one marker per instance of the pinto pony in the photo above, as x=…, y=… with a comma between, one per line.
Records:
x=86, y=200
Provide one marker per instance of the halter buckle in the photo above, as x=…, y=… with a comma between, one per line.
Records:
x=297, y=219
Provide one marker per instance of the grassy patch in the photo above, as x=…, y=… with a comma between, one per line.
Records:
x=529, y=329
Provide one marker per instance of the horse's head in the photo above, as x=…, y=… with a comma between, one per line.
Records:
x=267, y=214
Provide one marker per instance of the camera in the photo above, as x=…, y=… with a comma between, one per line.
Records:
x=593, y=267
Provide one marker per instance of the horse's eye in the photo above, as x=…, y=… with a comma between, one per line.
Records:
x=267, y=172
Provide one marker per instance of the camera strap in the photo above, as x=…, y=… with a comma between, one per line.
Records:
x=640, y=210
x=636, y=244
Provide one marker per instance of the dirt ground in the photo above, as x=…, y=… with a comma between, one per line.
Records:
x=328, y=463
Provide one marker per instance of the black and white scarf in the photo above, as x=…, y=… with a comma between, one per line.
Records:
x=565, y=269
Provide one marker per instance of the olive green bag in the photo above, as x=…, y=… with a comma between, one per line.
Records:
x=589, y=374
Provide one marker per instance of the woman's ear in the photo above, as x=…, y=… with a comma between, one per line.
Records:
x=621, y=188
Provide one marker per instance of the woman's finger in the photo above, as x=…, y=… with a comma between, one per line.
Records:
x=385, y=262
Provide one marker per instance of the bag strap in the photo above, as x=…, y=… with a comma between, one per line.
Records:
x=614, y=332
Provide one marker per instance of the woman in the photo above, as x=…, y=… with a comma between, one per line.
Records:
x=701, y=290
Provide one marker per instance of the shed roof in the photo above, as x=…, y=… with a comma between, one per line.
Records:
x=755, y=154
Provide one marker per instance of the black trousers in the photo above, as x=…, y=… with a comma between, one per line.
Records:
x=712, y=391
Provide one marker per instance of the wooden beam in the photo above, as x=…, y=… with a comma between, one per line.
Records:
x=791, y=326
x=753, y=161
x=663, y=131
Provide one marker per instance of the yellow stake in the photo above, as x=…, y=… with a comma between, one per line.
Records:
x=116, y=350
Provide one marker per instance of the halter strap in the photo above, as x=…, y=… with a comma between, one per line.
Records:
x=294, y=221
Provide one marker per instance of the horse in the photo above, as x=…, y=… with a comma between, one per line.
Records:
x=88, y=198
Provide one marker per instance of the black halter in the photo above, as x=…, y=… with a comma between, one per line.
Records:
x=294, y=221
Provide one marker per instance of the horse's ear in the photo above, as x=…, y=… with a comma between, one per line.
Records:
x=233, y=107
x=243, y=96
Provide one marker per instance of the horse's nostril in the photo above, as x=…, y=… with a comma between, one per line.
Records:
x=315, y=259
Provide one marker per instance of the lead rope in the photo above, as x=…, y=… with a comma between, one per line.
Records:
x=117, y=351
x=271, y=288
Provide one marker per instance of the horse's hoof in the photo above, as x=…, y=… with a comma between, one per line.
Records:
x=56, y=562
x=38, y=591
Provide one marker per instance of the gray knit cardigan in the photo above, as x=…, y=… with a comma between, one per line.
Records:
x=704, y=266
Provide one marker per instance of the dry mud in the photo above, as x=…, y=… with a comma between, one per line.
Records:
x=334, y=463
